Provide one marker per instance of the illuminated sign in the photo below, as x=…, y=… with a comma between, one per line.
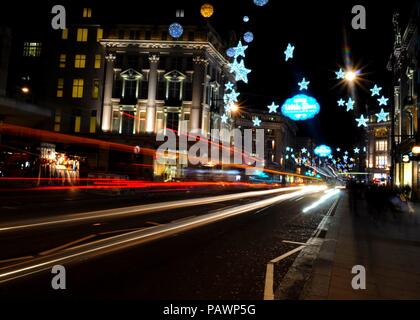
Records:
x=300, y=107
x=323, y=151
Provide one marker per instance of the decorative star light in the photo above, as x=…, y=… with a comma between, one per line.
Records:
x=362, y=121
x=350, y=104
x=383, y=101
x=227, y=108
x=224, y=118
x=257, y=122
x=273, y=108
x=240, y=50
x=382, y=116
x=241, y=73
x=340, y=74
x=356, y=150
x=304, y=160
x=345, y=158
x=289, y=52
x=338, y=149
x=304, y=150
x=346, y=153
x=231, y=97
x=303, y=85
x=341, y=103
x=376, y=90
x=229, y=86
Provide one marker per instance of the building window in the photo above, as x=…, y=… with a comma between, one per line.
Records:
x=381, y=162
x=381, y=145
x=87, y=13
x=60, y=88
x=77, y=122
x=31, y=49
x=95, y=90
x=142, y=121
x=80, y=61
x=63, y=58
x=65, y=34
x=180, y=13
x=98, y=61
x=92, y=124
x=57, y=122
x=78, y=88
x=82, y=34
x=99, y=34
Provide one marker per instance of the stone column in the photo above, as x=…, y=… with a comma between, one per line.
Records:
x=109, y=81
x=198, y=91
x=151, y=97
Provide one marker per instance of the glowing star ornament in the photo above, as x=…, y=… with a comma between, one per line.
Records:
x=338, y=149
x=304, y=150
x=289, y=52
x=382, y=116
x=356, y=150
x=375, y=90
x=260, y=3
x=240, y=50
x=383, y=101
x=227, y=108
x=273, y=108
x=224, y=118
x=350, y=104
x=176, y=30
x=241, y=73
x=340, y=74
x=231, y=97
x=341, y=103
x=303, y=85
x=362, y=121
x=229, y=86
x=257, y=122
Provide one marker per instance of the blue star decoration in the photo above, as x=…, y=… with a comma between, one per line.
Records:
x=289, y=52
x=350, y=104
x=362, y=121
x=227, y=108
x=341, y=103
x=383, y=101
x=231, y=97
x=356, y=150
x=375, y=90
x=241, y=73
x=224, y=118
x=257, y=122
x=303, y=85
x=340, y=74
x=382, y=116
x=273, y=108
x=229, y=86
x=240, y=50
x=338, y=149
x=304, y=150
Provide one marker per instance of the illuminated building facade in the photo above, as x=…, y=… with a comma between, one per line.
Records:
x=404, y=64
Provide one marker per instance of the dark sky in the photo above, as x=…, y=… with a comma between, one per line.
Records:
x=318, y=29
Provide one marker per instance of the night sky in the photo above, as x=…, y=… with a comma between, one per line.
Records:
x=319, y=31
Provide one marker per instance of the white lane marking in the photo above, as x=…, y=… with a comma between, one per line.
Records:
x=137, y=210
x=134, y=238
x=269, y=277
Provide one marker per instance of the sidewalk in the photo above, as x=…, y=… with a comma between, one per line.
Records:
x=389, y=250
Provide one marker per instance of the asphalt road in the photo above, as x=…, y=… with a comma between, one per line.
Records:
x=225, y=259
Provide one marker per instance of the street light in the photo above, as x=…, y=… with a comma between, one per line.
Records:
x=234, y=108
x=351, y=76
x=25, y=90
x=416, y=150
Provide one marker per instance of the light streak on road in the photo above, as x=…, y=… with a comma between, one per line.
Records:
x=328, y=194
x=138, y=210
x=130, y=239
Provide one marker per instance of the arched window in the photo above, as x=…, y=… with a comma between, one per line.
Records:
x=131, y=80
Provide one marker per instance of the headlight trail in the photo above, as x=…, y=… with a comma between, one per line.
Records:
x=130, y=239
x=138, y=210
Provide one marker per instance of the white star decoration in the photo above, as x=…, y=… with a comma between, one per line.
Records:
x=375, y=90
x=362, y=121
x=304, y=150
x=383, y=101
x=289, y=52
x=224, y=118
x=229, y=86
x=356, y=150
x=340, y=74
x=241, y=73
x=350, y=104
x=257, y=122
x=382, y=116
x=273, y=108
x=231, y=97
x=303, y=85
x=341, y=103
x=240, y=50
